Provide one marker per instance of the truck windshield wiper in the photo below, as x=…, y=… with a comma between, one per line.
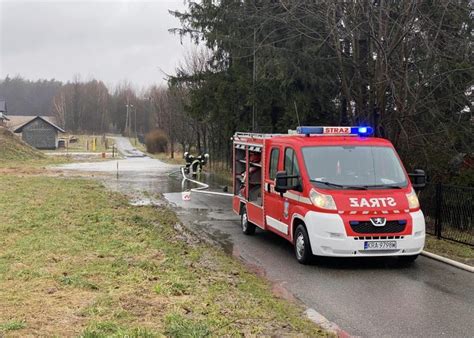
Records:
x=339, y=185
x=386, y=186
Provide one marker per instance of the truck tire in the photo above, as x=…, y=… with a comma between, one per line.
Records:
x=248, y=228
x=407, y=259
x=303, y=252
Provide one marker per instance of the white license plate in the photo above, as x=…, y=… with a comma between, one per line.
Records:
x=380, y=245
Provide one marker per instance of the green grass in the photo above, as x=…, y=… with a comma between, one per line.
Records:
x=179, y=326
x=460, y=252
x=31, y=165
x=110, y=329
x=12, y=325
x=79, y=260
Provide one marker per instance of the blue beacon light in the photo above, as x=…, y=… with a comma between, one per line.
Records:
x=365, y=131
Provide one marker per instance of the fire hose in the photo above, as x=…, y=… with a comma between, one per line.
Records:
x=203, y=187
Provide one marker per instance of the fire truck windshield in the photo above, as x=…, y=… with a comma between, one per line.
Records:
x=354, y=167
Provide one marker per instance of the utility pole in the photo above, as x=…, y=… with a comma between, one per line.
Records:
x=128, y=121
x=135, y=126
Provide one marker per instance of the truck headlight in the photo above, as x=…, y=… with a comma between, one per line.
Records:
x=321, y=200
x=413, y=202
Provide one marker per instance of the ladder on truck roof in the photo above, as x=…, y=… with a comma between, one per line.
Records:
x=257, y=135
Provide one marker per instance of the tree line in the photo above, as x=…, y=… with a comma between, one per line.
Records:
x=91, y=107
x=26, y=97
x=404, y=67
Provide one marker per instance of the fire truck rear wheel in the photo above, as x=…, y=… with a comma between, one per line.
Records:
x=248, y=228
x=302, y=246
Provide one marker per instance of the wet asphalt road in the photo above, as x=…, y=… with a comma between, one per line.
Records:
x=126, y=148
x=365, y=297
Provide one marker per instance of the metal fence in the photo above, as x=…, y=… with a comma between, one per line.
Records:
x=449, y=212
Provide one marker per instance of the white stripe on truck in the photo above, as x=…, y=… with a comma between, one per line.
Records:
x=276, y=224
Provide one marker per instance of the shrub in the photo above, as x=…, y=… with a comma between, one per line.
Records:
x=156, y=141
x=465, y=178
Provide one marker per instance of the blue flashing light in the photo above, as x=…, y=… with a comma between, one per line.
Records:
x=361, y=131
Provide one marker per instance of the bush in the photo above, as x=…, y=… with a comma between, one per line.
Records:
x=156, y=141
x=465, y=178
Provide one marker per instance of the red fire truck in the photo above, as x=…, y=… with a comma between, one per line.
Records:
x=331, y=191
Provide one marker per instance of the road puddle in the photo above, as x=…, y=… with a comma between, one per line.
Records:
x=147, y=181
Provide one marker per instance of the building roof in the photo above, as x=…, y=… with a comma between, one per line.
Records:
x=19, y=128
x=18, y=120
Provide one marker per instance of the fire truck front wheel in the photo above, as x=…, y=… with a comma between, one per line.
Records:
x=248, y=227
x=303, y=251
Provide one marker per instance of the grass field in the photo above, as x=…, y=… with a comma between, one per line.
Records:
x=79, y=260
x=460, y=252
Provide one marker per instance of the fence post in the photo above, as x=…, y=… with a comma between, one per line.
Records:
x=438, y=213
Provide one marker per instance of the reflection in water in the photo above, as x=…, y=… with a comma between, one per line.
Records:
x=152, y=183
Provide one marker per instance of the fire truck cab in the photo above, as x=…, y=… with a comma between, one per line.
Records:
x=330, y=191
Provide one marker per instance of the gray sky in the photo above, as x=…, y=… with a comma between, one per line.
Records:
x=108, y=40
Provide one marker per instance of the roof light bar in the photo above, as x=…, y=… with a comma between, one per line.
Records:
x=350, y=131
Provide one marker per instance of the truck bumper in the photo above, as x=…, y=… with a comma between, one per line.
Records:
x=328, y=237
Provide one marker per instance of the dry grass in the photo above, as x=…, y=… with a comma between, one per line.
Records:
x=177, y=159
x=165, y=157
x=84, y=144
x=12, y=148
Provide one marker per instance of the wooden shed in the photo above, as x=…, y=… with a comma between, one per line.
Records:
x=39, y=133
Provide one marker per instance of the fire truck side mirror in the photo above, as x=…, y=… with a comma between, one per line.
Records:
x=418, y=179
x=281, y=182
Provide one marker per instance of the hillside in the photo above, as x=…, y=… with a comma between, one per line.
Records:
x=14, y=149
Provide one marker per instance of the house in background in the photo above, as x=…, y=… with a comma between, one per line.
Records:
x=3, y=114
x=39, y=132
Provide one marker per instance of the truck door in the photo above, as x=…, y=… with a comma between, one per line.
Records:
x=274, y=203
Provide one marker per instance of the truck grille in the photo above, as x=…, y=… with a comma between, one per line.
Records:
x=366, y=227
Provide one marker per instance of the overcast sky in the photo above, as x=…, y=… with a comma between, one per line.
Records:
x=108, y=40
